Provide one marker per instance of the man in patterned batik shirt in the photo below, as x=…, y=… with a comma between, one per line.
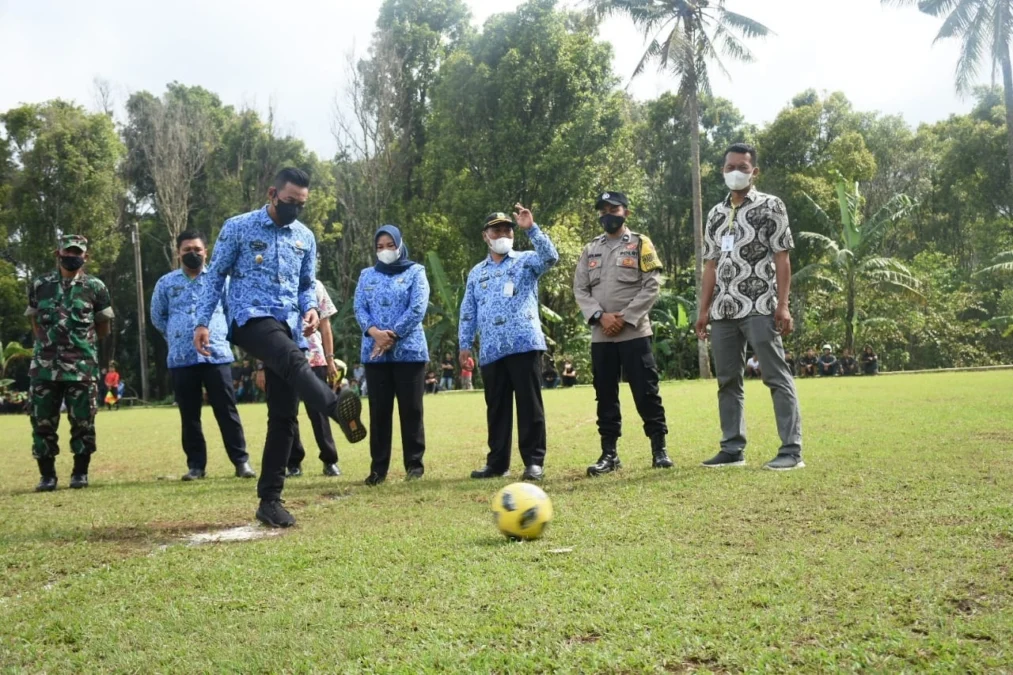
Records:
x=501, y=306
x=68, y=310
x=327, y=369
x=174, y=315
x=268, y=258
x=746, y=282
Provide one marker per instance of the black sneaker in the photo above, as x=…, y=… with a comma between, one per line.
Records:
x=659, y=454
x=273, y=514
x=533, y=473
x=331, y=470
x=244, y=470
x=193, y=474
x=488, y=472
x=46, y=484
x=78, y=481
x=374, y=479
x=415, y=474
x=723, y=459
x=782, y=463
x=294, y=472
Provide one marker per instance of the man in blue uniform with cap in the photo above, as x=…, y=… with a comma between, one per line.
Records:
x=501, y=306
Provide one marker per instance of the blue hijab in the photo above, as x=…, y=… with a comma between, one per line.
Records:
x=402, y=263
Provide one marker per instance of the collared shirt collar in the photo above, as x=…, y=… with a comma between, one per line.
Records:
x=627, y=235
x=750, y=196
x=186, y=276
x=489, y=261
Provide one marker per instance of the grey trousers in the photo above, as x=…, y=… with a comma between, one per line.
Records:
x=728, y=340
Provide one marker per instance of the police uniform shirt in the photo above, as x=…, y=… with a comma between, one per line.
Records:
x=619, y=276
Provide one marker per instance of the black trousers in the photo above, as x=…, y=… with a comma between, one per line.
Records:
x=405, y=382
x=189, y=384
x=321, y=424
x=635, y=359
x=515, y=375
x=288, y=378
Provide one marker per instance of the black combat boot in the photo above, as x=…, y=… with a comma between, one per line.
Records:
x=79, y=476
x=47, y=469
x=609, y=460
x=660, y=454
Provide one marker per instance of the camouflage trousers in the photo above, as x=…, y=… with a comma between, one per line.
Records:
x=46, y=399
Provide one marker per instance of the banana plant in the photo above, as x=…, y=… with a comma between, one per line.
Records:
x=11, y=353
x=852, y=260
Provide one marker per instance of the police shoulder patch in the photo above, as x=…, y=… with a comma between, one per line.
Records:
x=649, y=260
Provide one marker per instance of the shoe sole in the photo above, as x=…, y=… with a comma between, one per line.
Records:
x=502, y=475
x=349, y=416
x=78, y=487
x=800, y=465
x=52, y=489
x=663, y=466
x=741, y=462
x=270, y=523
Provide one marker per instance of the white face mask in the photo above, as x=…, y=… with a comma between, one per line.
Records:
x=738, y=180
x=388, y=256
x=501, y=246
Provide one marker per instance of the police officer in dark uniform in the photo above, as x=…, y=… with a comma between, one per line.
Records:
x=617, y=281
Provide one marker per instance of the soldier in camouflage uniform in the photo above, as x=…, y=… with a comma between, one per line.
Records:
x=68, y=310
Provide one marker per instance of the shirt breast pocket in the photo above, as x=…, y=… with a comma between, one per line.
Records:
x=594, y=275
x=629, y=275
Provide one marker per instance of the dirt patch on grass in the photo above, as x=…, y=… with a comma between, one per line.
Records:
x=1002, y=436
x=231, y=534
x=151, y=532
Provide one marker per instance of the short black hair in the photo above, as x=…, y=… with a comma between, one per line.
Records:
x=292, y=175
x=742, y=149
x=186, y=235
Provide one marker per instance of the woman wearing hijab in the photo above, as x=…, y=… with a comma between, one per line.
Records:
x=390, y=302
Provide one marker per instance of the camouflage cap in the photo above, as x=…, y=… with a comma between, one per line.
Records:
x=73, y=241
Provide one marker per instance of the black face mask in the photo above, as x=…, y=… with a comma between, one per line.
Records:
x=286, y=213
x=71, y=263
x=193, y=261
x=612, y=223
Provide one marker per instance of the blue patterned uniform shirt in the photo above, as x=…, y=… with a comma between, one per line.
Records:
x=270, y=273
x=506, y=323
x=394, y=302
x=174, y=314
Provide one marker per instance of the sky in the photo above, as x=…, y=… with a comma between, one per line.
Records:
x=294, y=56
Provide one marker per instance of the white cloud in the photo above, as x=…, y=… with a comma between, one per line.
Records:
x=252, y=52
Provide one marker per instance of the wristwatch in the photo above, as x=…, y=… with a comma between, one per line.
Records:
x=595, y=317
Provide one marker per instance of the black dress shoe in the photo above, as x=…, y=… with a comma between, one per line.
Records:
x=488, y=472
x=374, y=479
x=78, y=481
x=533, y=473
x=244, y=470
x=331, y=470
x=415, y=473
x=46, y=484
x=294, y=472
x=273, y=514
x=194, y=474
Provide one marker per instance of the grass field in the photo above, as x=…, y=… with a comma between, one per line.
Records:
x=892, y=551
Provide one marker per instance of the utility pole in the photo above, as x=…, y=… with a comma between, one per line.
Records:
x=142, y=317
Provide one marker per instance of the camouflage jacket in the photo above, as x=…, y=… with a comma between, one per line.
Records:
x=66, y=312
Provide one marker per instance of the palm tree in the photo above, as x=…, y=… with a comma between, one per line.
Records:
x=8, y=355
x=985, y=28
x=852, y=261
x=686, y=35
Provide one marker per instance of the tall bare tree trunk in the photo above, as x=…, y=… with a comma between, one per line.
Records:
x=694, y=146
x=1007, y=85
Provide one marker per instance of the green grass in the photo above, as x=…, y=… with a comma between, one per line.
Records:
x=892, y=551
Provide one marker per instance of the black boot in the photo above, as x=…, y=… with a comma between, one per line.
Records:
x=79, y=476
x=609, y=460
x=47, y=469
x=660, y=453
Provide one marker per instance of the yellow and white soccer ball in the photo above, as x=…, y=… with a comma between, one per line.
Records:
x=521, y=511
